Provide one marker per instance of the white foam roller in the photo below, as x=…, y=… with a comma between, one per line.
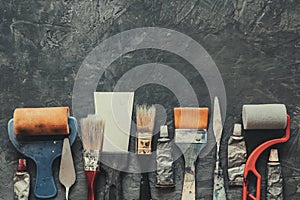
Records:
x=264, y=116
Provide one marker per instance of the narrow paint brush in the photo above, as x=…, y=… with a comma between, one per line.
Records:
x=145, y=120
x=92, y=131
x=190, y=137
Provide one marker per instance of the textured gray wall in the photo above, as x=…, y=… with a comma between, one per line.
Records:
x=255, y=44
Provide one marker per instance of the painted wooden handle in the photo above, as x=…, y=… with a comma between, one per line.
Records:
x=145, y=193
x=113, y=185
x=90, y=178
x=189, y=184
x=219, y=190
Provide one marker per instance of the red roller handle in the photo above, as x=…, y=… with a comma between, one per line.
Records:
x=251, y=162
x=90, y=178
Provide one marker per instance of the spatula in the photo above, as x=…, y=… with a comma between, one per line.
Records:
x=115, y=108
x=67, y=175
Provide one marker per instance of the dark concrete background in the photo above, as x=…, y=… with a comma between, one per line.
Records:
x=255, y=44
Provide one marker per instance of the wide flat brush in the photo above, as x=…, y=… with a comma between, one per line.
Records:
x=145, y=120
x=92, y=130
x=190, y=137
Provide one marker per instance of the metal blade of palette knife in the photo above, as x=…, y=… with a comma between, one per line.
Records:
x=219, y=190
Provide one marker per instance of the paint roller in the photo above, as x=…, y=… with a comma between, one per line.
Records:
x=263, y=116
x=33, y=132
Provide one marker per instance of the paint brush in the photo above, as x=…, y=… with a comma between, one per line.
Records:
x=92, y=131
x=145, y=121
x=219, y=190
x=190, y=137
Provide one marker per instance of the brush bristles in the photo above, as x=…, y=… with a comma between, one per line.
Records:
x=92, y=131
x=145, y=118
x=191, y=118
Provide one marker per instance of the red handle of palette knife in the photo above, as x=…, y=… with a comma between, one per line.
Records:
x=90, y=178
x=251, y=162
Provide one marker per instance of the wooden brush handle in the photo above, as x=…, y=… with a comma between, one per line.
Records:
x=189, y=184
x=113, y=185
x=90, y=178
x=145, y=193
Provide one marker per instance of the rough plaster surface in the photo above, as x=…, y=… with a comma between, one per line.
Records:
x=255, y=44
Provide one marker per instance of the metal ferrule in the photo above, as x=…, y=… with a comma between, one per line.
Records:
x=144, y=135
x=91, y=159
x=144, y=140
x=191, y=136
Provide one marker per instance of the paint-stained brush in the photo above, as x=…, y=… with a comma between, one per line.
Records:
x=145, y=120
x=190, y=137
x=92, y=130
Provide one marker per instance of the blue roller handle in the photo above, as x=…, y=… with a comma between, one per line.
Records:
x=45, y=185
x=43, y=153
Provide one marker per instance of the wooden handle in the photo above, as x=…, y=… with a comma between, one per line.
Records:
x=189, y=184
x=90, y=178
x=113, y=185
x=145, y=193
x=219, y=190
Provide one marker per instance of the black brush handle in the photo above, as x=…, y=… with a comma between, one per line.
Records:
x=113, y=188
x=145, y=187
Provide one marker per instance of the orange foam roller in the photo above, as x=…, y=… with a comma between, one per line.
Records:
x=191, y=118
x=41, y=121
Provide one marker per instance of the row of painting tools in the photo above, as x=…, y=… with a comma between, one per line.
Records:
x=43, y=134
